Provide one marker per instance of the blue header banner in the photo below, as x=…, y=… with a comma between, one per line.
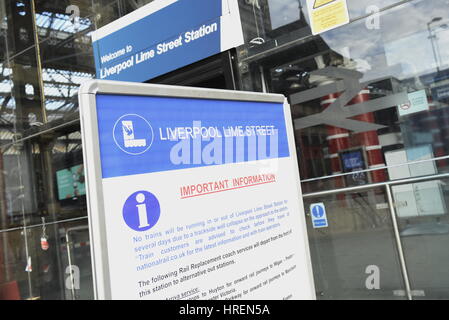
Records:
x=153, y=134
x=179, y=34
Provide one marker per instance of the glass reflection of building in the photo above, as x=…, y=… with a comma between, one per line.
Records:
x=385, y=189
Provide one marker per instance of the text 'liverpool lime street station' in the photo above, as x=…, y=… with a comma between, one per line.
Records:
x=193, y=194
x=163, y=36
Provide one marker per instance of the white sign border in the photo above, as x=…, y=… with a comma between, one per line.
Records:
x=91, y=145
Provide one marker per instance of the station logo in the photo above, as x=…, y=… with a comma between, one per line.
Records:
x=141, y=211
x=133, y=134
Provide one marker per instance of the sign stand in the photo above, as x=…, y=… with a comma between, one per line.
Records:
x=193, y=194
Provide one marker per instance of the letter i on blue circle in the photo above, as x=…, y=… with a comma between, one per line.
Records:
x=141, y=211
x=318, y=211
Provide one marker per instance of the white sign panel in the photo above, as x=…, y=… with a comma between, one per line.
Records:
x=193, y=194
x=417, y=103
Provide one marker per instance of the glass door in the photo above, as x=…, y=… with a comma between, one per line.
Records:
x=423, y=224
x=370, y=108
x=355, y=255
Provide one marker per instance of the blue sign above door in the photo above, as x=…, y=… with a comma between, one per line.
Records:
x=163, y=36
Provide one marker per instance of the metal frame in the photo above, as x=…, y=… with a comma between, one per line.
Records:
x=221, y=64
x=375, y=169
x=375, y=185
x=388, y=185
x=90, y=136
x=399, y=244
x=69, y=255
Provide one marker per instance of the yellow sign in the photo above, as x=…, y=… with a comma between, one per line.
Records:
x=320, y=3
x=326, y=15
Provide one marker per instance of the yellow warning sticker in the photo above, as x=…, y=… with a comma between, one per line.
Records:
x=326, y=15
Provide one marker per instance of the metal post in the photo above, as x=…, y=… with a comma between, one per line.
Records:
x=398, y=242
x=38, y=63
x=431, y=37
x=72, y=282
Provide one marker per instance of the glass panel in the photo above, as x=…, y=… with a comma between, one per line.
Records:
x=108, y=11
x=22, y=59
x=370, y=104
x=78, y=281
x=65, y=50
x=16, y=189
x=361, y=99
x=422, y=211
x=34, y=262
x=267, y=20
x=46, y=54
x=355, y=257
x=59, y=165
x=15, y=282
x=44, y=179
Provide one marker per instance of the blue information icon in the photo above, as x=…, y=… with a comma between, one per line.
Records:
x=318, y=211
x=318, y=215
x=133, y=134
x=141, y=211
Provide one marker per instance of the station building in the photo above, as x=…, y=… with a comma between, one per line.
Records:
x=370, y=106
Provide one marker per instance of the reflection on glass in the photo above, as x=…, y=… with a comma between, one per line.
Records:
x=394, y=98
x=422, y=210
x=359, y=239
x=66, y=57
x=370, y=103
x=33, y=270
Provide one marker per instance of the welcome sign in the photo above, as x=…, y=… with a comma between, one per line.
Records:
x=193, y=194
x=163, y=36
